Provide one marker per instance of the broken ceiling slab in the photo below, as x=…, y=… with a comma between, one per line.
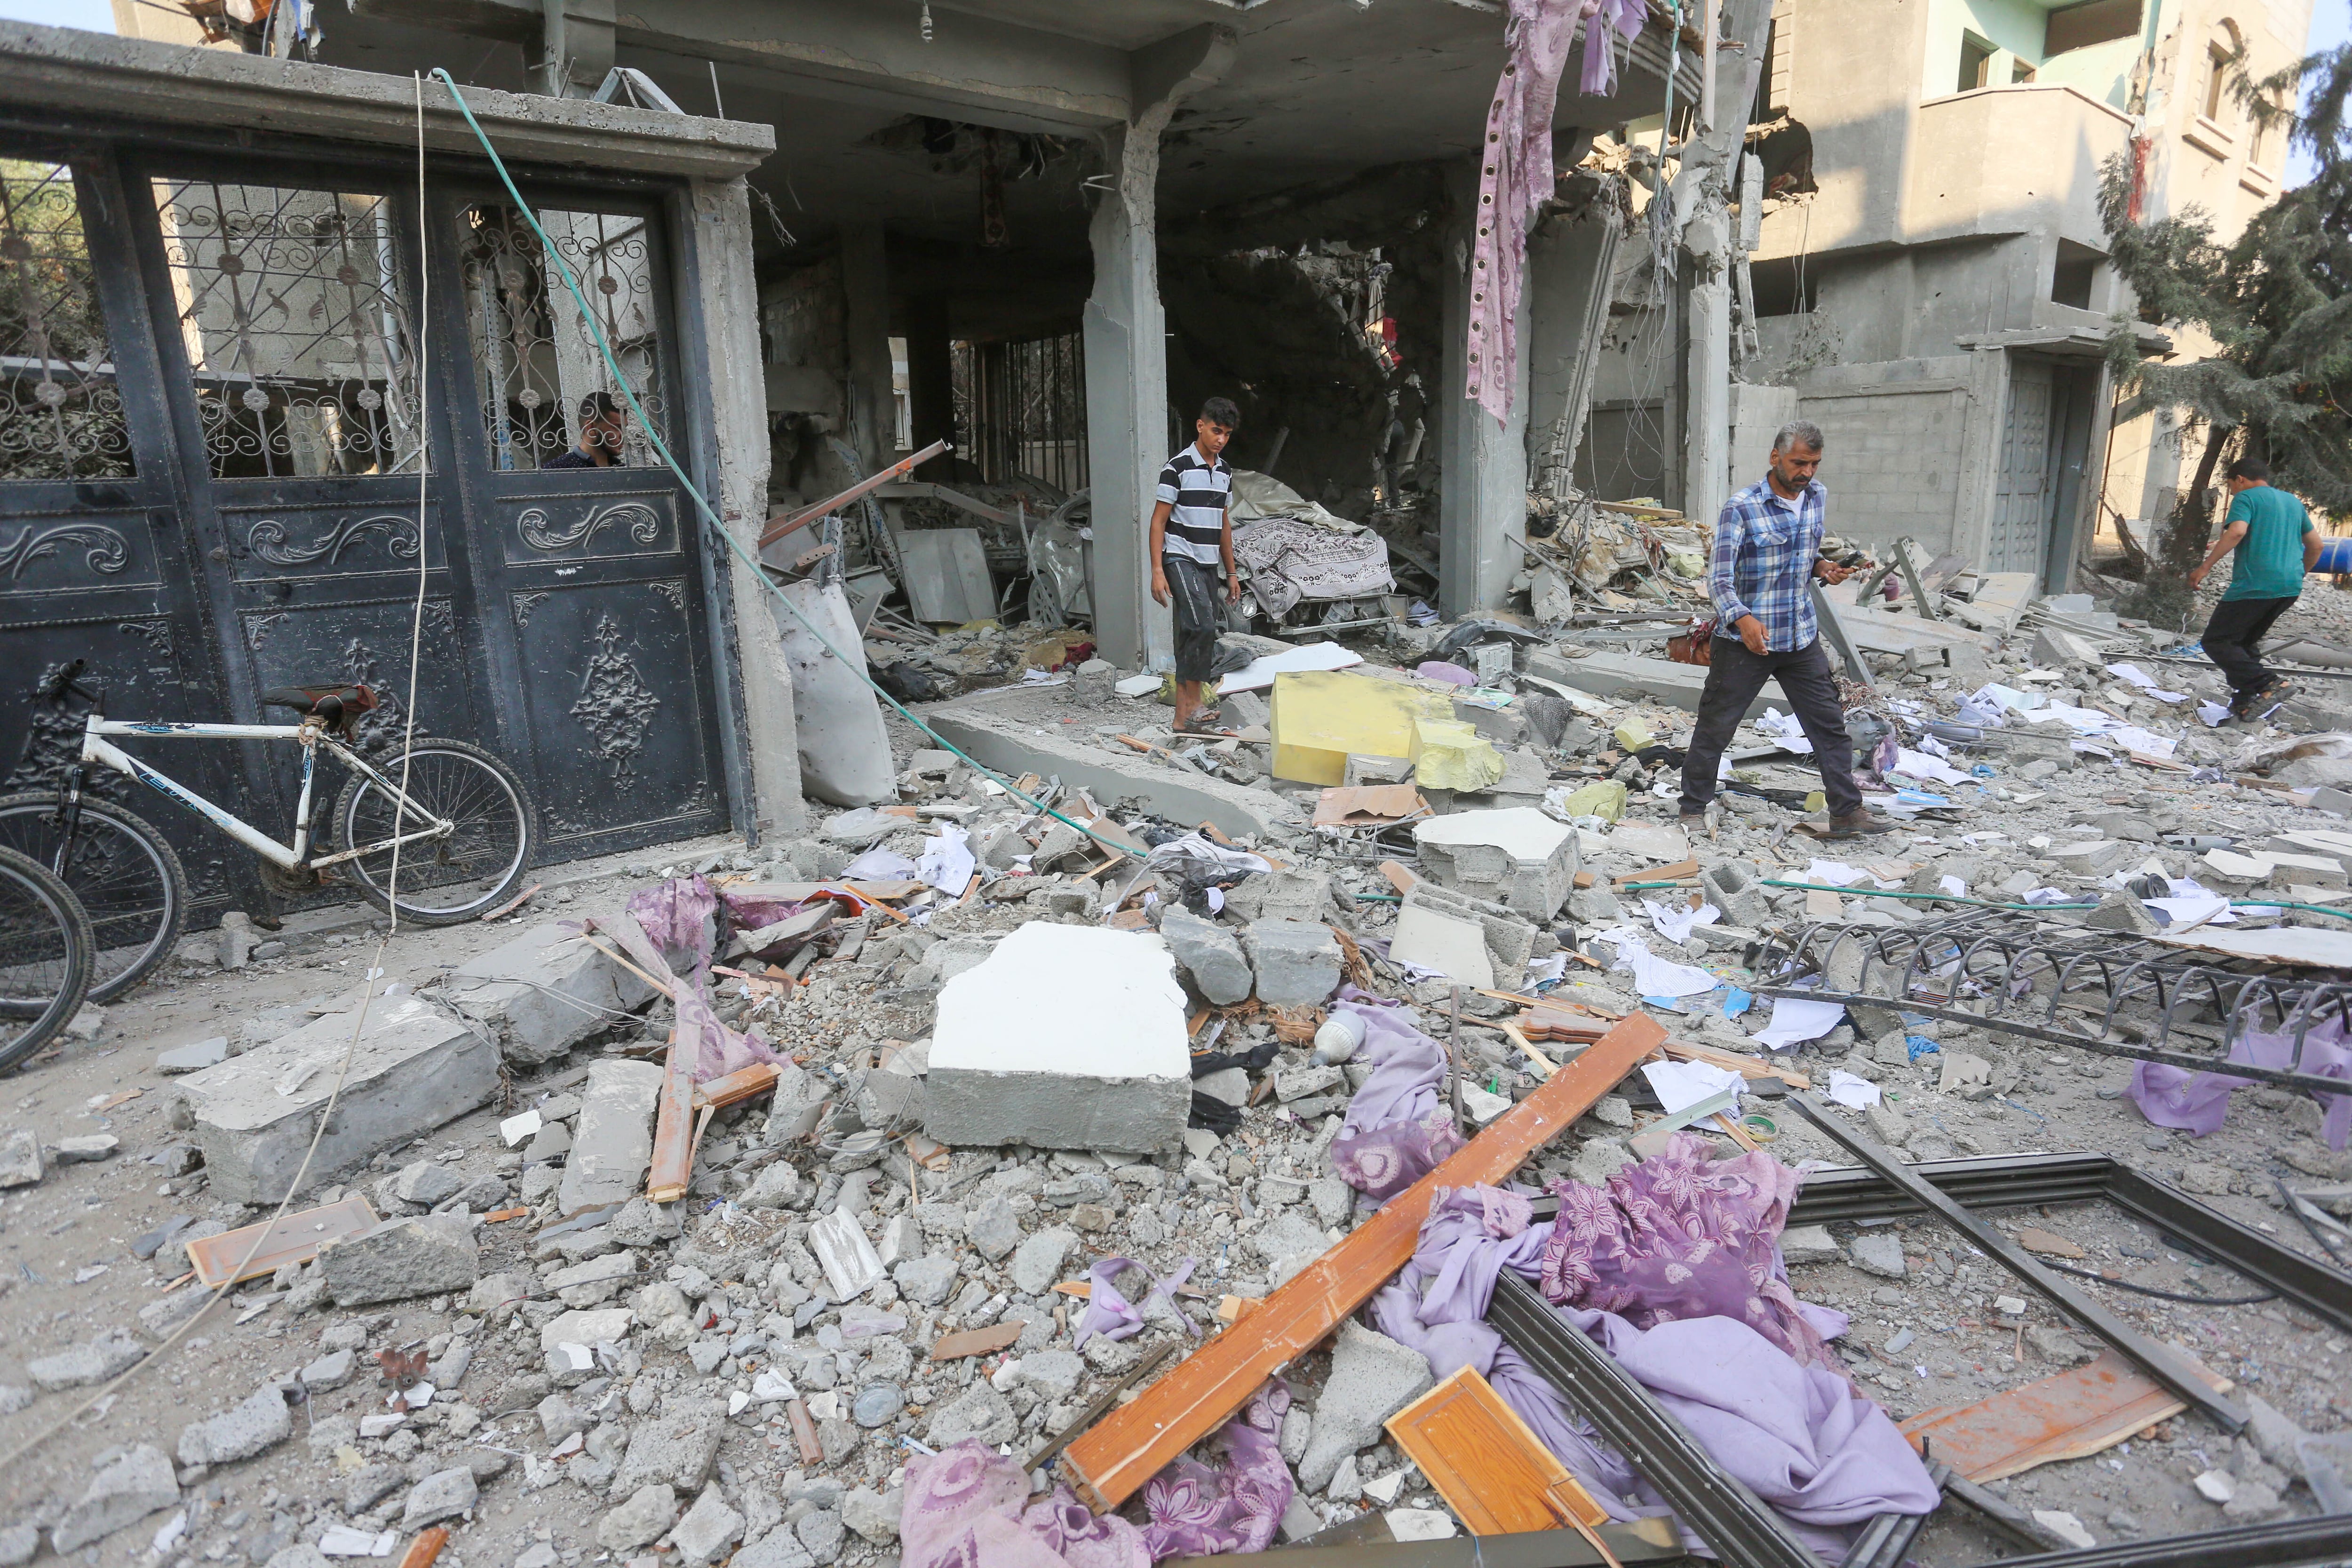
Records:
x=1014, y=747
x=413, y=1068
x=2304, y=947
x=545, y=992
x=1259, y=672
x=1518, y=856
x=1063, y=1037
x=1624, y=677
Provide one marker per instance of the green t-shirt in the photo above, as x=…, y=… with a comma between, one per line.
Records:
x=2268, y=562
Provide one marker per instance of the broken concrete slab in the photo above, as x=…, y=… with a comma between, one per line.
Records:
x=1210, y=954
x=1014, y=747
x=413, y=1068
x=1104, y=1066
x=193, y=1057
x=1518, y=858
x=108, y=1356
x=21, y=1164
x=139, y=1483
x=259, y=1423
x=1373, y=1378
x=544, y=992
x=614, y=1146
x=424, y=1255
x=1621, y=676
x=1298, y=965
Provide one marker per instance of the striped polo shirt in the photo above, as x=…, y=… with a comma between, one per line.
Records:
x=1197, y=490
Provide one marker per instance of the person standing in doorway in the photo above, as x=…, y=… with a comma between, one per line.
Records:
x=1768, y=552
x=1192, y=538
x=2276, y=544
x=602, y=422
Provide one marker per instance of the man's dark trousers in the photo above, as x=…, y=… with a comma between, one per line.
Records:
x=2232, y=638
x=1733, y=679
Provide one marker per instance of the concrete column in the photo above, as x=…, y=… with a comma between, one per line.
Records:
x=576, y=47
x=1706, y=447
x=1569, y=269
x=1125, y=334
x=930, y=379
x=866, y=283
x=1483, y=492
x=762, y=681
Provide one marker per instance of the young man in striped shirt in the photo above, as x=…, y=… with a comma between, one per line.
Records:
x=1191, y=537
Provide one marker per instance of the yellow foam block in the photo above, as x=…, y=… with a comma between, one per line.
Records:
x=1316, y=716
x=1449, y=754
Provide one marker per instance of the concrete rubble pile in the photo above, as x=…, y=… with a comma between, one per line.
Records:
x=991, y=1109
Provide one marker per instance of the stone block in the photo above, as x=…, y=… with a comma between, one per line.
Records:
x=2091, y=857
x=1737, y=889
x=1297, y=963
x=193, y=1057
x=426, y=1255
x=1518, y=858
x=678, y=1450
x=544, y=992
x=980, y=1413
x=1808, y=1243
x=108, y=1356
x=1373, y=1378
x=21, y=1164
x=1209, y=954
x=415, y=1067
x=643, y=1520
x=1066, y=1037
x=261, y=1422
x=709, y=1529
x=444, y=1494
x=612, y=1144
x=1879, y=1252
x=139, y=1483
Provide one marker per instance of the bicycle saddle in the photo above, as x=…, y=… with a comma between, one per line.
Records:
x=339, y=706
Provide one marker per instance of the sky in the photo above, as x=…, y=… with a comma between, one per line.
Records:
x=2331, y=24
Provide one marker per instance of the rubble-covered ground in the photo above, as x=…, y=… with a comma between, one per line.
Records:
x=269, y=1421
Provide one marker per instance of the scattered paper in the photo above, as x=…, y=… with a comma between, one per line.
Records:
x=1261, y=671
x=2140, y=679
x=878, y=865
x=1675, y=923
x=1855, y=1093
x=947, y=860
x=1919, y=765
x=2213, y=713
x=1785, y=731
x=1952, y=885
x=1795, y=1022
x=1655, y=976
x=2189, y=904
x=519, y=1128
x=1681, y=1085
x=342, y=1540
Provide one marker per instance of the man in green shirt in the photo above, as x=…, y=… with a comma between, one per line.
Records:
x=2276, y=545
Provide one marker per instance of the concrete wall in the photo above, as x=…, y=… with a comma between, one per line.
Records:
x=1894, y=459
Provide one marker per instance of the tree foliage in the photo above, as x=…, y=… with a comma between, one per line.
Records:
x=2276, y=299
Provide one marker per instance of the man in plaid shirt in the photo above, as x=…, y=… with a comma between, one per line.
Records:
x=1767, y=551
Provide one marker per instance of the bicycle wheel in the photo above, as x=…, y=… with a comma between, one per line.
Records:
x=442, y=881
x=45, y=955
x=126, y=875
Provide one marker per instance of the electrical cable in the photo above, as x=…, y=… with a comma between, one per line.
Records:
x=702, y=506
x=266, y=1233
x=2160, y=1295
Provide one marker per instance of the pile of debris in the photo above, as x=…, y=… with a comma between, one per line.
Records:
x=1387, y=1121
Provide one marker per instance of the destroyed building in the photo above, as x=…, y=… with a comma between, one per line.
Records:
x=1931, y=272
x=983, y=1125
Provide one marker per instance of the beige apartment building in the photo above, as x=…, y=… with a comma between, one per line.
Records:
x=1932, y=276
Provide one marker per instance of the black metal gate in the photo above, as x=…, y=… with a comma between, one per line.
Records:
x=217, y=391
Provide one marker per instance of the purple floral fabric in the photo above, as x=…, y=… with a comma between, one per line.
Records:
x=2197, y=1102
x=1518, y=176
x=718, y=1051
x=1398, y=1128
x=1684, y=1236
x=1198, y=1511
x=968, y=1507
x=1108, y=1312
x=1798, y=1435
x=678, y=916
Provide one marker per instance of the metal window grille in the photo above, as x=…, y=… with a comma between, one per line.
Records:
x=60, y=413
x=1021, y=408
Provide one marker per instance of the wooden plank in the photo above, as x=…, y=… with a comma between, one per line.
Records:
x=674, y=1129
x=1402, y=878
x=2070, y=1415
x=977, y=1342
x=1486, y=1463
x=292, y=1238
x=1110, y=1463
x=747, y=1083
x=1746, y=1067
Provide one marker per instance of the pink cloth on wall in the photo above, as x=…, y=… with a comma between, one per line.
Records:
x=1516, y=173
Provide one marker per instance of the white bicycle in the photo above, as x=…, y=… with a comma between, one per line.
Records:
x=465, y=831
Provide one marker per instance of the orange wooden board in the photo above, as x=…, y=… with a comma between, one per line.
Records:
x=2069, y=1415
x=293, y=1238
x=1109, y=1463
x=1487, y=1464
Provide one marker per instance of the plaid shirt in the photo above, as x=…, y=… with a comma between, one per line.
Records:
x=1764, y=547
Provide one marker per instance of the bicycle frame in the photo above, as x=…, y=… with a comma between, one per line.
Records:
x=309, y=735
